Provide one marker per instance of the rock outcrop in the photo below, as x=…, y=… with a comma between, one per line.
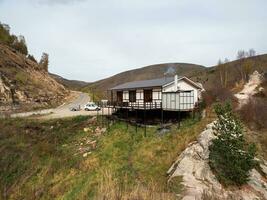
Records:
x=200, y=182
x=24, y=84
x=249, y=89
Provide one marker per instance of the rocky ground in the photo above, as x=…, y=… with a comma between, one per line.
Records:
x=250, y=88
x=199, y=181
x=23, y=85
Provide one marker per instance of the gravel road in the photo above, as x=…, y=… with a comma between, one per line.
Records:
x=64, y=110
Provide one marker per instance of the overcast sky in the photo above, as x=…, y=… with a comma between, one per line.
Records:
x=93, y=39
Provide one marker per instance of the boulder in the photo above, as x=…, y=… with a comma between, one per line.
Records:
x=199, y=181
x=87, y=129
x=100, y=131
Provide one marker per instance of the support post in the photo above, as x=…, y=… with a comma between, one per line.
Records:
x=97, y=112
x=145, y=117
x=108, y=118
x=161, y=116
x=127, y=120
x=136, y=120
x=179, y=113
x=102, y=117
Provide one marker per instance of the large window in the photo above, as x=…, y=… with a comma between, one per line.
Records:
x=147, y=95
x=132, y=96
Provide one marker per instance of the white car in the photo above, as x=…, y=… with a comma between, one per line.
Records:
x=91, y=106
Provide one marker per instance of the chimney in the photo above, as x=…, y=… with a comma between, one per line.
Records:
x=176, y=82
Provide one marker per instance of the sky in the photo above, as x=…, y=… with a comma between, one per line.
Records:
x=93, y=39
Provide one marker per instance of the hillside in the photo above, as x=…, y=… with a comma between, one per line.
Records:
x=70, y=84
x=230, y=73
x=24, y=85
x=76, y=158
x=148, y=72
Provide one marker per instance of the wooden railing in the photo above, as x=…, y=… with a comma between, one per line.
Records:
x=135, y=105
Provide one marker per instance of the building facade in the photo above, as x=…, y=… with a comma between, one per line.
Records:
x=168, y=93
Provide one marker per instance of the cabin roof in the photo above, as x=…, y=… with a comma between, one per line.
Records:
x=160, y=82
x=196, y=85
x=144, y=83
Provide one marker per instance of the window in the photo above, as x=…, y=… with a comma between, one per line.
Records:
x=147, y=95
x=119, y=96
x=132, y=96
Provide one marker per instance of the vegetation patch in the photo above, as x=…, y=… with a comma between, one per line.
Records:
x=230, y=157
x=66, y=159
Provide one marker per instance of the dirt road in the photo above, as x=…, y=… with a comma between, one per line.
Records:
x=64, y=110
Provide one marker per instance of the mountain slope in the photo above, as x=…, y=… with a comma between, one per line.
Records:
x=24, y=84
x=148, y=72
x=210, y=77
x=70, y=84
x=233, y=72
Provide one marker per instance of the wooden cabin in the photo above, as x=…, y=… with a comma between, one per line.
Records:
x=168, y=93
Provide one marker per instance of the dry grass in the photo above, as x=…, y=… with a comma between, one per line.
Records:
x=39, y=160
x=110, y=188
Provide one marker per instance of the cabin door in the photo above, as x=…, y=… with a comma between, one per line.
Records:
x=147, y=96
x=119, y=96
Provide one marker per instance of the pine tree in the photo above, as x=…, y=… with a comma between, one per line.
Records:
x=230, y=157
x=43, y=64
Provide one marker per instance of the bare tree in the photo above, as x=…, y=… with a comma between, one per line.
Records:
x=241, y=54
x=226, y=60
x=221, y=71
x=251, y=52
x=247, y=68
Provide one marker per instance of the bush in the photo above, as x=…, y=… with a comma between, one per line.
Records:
x=31, y=57
x=16, y=42
x=230, y=157
x=254, y=114
x=218, y=94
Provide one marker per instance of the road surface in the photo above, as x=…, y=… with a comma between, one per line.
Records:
x=64, y=110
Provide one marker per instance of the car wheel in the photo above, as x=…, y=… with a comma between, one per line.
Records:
x=86, y=109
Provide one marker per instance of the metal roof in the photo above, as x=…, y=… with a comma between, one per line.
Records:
x=144, y=83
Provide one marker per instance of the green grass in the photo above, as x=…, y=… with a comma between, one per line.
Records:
x=41, y=159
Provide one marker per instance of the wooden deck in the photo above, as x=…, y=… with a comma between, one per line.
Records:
x=146, y=106
x=136, y=105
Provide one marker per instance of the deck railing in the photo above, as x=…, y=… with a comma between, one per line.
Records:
x=135, y=105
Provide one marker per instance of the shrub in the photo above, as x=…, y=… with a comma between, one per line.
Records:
x=230, y=157
x=254, y=113
x=218, y=94
x=31, y=57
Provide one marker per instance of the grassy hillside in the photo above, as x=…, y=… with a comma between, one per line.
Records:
x=149, y=72
x=46, y=159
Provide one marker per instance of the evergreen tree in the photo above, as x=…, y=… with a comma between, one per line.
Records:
x=43, y=64
x=230, y=157
x=31, y=57
x=20, y=45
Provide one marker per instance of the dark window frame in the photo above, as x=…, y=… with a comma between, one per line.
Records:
x=119, y=96
x=132, y=96
x=148, y=95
